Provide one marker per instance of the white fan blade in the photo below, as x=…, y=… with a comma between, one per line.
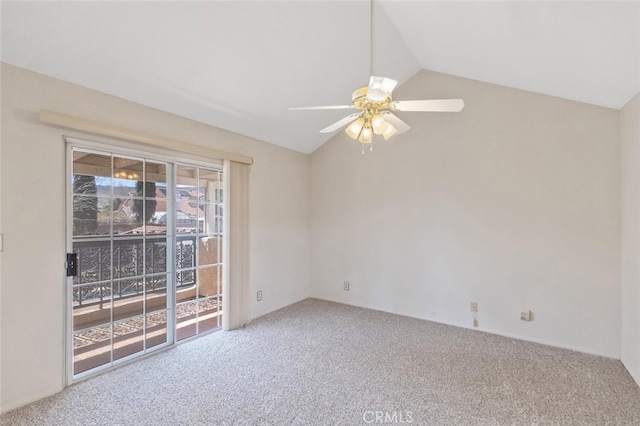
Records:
x=335, y=126
x=323, y=107
x=400, y=125
x=380, y=88
x=433, y=105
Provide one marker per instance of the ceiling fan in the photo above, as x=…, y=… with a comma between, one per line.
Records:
x=376, y=108
x=376, y=111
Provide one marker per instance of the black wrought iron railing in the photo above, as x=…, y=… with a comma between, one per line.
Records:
x=129, y=267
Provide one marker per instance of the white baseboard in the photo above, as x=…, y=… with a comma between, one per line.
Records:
x=279, y=307
x=28, y=400
x=490, y=331
x=549, y=343
x=635, y=375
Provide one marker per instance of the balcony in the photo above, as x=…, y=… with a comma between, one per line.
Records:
x=130, y=313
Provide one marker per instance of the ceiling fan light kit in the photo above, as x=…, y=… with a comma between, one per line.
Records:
x=373, y=102
x=354, y=129
x=376, y=108
x=389, y=131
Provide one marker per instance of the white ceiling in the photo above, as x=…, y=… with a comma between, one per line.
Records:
x=239, y=65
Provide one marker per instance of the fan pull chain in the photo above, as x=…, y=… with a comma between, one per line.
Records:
x=371, y=147
x=362, y=148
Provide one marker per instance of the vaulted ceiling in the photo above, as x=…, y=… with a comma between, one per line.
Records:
x=240, y=65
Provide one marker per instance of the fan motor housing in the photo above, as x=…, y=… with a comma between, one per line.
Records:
x=361, y=102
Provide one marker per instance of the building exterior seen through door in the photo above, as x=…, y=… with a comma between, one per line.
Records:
x=198, y=250
x=147, y=235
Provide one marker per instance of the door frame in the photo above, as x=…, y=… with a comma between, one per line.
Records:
x=146, y=152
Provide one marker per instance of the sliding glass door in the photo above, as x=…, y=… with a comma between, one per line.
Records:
x=199, y=208
x=146, y=239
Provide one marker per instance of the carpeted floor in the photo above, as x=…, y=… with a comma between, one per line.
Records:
x=318, y=362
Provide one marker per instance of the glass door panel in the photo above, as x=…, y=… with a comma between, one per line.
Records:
x=198, y=250
x=119, y=296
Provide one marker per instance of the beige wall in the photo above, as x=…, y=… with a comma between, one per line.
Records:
x=1, y=236
x=513, y=203
x=630, y=137
x=33, y=219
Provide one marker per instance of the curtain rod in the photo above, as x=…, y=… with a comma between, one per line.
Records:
x=76, y=123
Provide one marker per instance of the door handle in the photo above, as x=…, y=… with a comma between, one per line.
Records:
x=72, y=264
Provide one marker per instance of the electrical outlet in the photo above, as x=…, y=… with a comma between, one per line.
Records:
x=474, y=306
x=259, y=296
x=526, y=315
x=346, y=286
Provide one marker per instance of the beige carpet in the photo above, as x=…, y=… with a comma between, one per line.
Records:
x=318, y=362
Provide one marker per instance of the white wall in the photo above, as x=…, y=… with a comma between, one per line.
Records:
x=33, y=219
x=630, y=137
x=513, y=203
